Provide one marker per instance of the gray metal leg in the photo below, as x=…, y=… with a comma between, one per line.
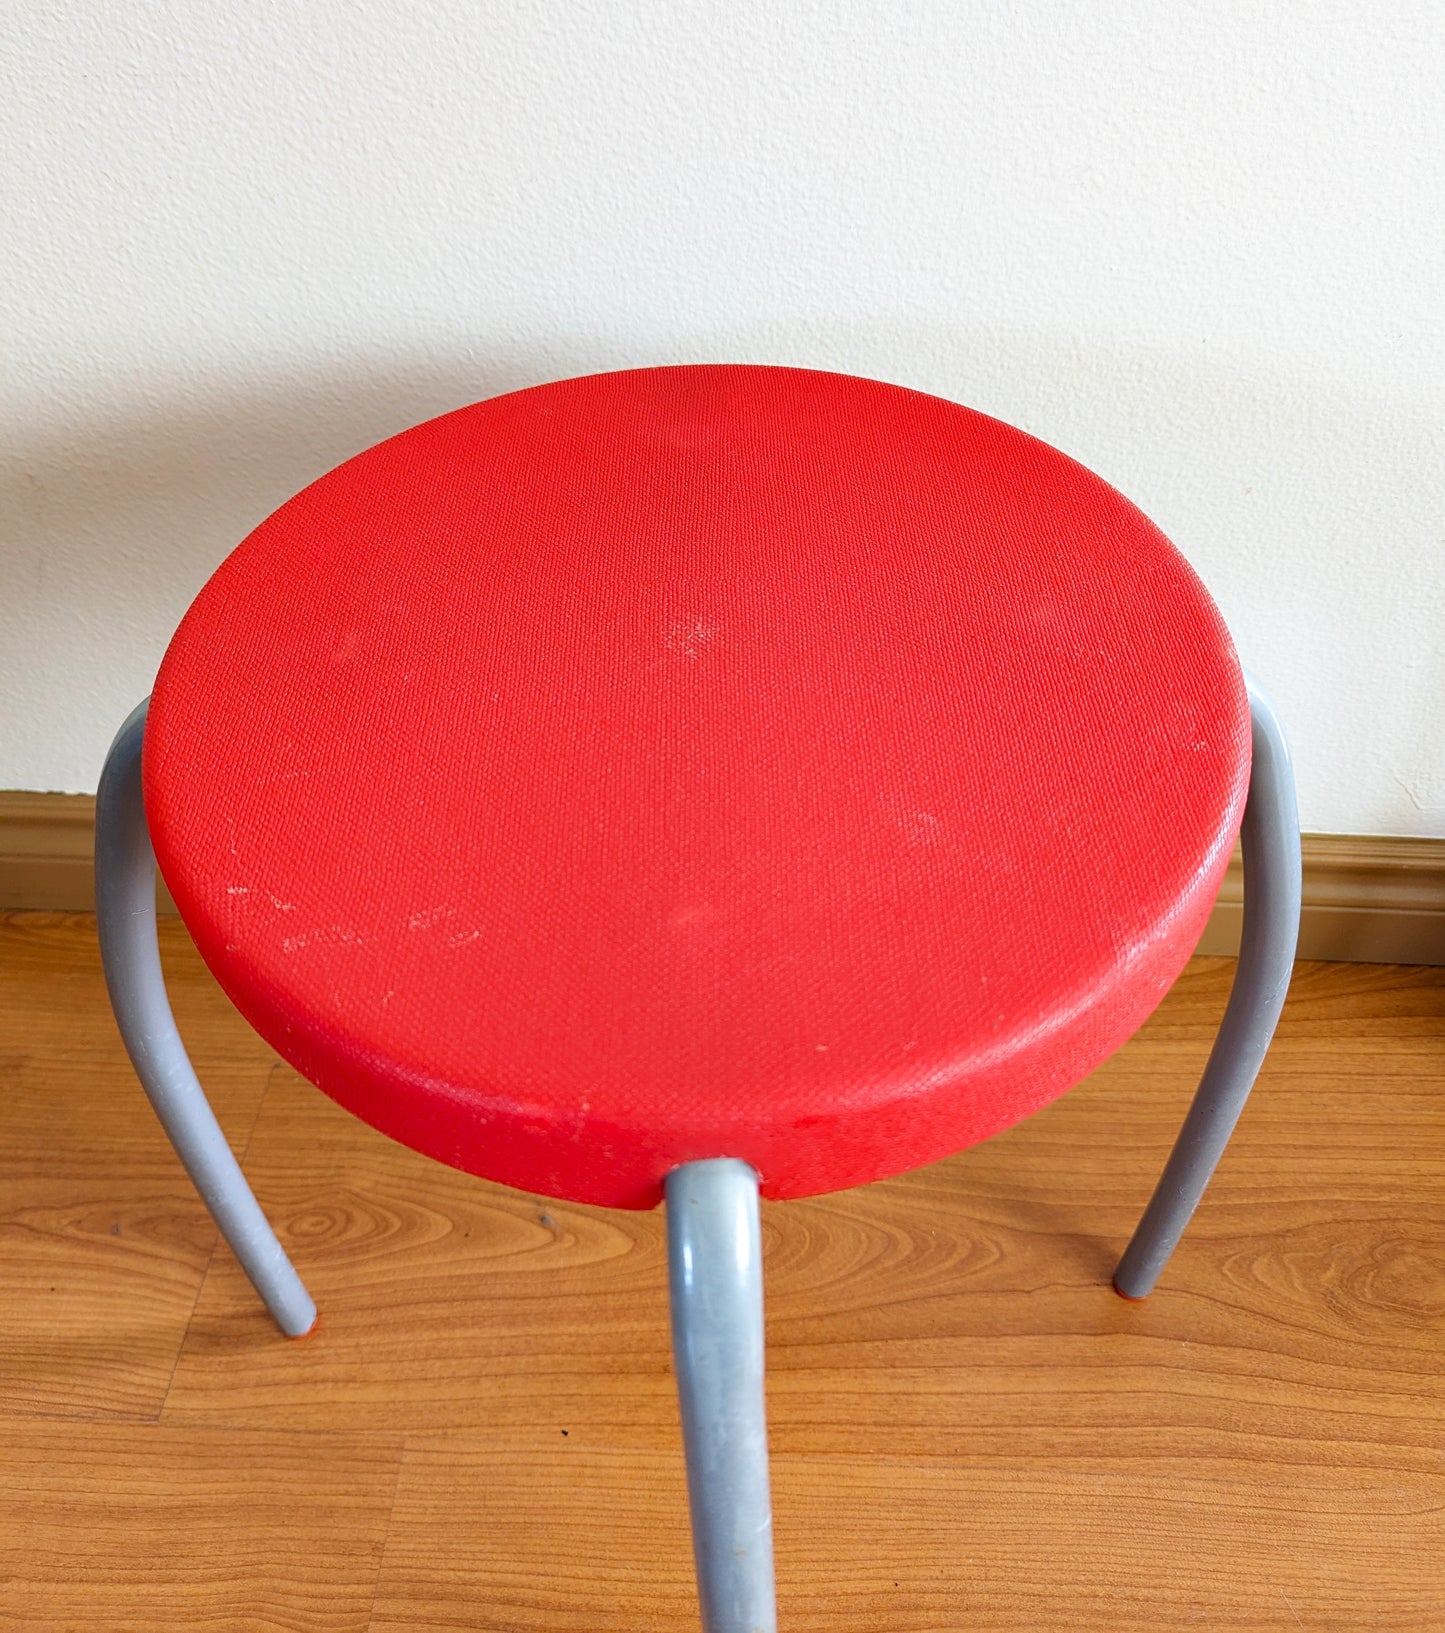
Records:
x=125, y=899
x=1270, y=837
x=714, y=1260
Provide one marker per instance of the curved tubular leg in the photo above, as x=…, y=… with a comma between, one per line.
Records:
x=715, y=1274
x=125, y=899
x=1270, y=837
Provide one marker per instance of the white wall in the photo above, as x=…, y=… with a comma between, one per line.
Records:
x=1199, y=247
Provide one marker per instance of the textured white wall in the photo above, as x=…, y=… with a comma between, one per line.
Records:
x=1199, y=247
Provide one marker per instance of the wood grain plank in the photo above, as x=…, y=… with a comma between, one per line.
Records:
x=965, y=1306
x=971, y=1431
x=433, y=1286
x=141, y=1527
x=103, y=1240
x=574, y=1539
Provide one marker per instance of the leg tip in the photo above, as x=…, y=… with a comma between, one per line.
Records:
x=1132, y=1298
x=305, y=1332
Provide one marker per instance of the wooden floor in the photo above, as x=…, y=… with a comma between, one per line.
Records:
x=971, y=1432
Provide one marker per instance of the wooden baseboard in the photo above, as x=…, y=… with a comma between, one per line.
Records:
x=1367, y=899
x=47, y=849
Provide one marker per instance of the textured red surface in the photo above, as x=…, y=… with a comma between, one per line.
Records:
x=698, y=762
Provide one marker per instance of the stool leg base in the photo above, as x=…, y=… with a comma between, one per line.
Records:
x=125, y=899
x=716, y=1281
x=1270, y=837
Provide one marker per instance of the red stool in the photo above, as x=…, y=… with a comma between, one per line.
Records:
x=686, y=780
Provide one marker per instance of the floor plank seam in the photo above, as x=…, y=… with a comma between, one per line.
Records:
x=386, y=1530
x=138, y=1420
x=160, y=1416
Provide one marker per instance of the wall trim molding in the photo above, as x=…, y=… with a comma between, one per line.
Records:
x=1367, y=899
x=47, y=849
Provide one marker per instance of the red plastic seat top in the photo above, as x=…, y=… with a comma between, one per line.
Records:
x=696, y=762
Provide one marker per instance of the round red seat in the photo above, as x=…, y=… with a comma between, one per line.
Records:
x=695, y=762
